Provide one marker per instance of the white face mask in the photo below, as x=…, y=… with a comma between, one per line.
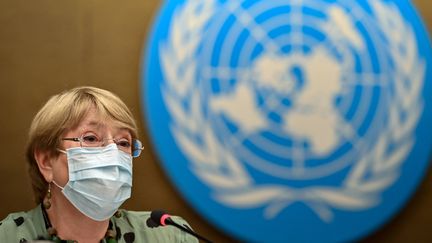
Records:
x=100, y=180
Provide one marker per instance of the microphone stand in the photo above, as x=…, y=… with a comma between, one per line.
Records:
x=171, y=222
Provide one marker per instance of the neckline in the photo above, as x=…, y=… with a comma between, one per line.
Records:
x=110, y=235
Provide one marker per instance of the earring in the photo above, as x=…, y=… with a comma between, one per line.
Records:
x=47, y=199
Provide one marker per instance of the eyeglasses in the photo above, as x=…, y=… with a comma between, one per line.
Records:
x=123, y=144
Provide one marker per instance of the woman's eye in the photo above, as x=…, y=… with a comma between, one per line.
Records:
x=123, y=143
x=90, y=139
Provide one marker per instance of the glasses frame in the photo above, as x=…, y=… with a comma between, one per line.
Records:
x=136, y=145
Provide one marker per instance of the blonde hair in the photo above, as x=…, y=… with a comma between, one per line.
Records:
x=63, y=112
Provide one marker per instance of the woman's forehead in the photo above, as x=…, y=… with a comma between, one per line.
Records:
x=94, y=120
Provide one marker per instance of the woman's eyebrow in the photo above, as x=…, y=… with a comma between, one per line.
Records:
x=123, y=131
x=94, y=124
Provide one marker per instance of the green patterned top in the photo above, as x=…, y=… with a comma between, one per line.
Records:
x=129, y=226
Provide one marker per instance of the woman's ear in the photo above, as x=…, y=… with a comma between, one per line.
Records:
x=44, y=161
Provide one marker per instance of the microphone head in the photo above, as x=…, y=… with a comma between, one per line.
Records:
x=160, y=217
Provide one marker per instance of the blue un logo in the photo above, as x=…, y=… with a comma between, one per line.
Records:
x=291, y=120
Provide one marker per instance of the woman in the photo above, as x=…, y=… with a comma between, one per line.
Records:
x=81, y=145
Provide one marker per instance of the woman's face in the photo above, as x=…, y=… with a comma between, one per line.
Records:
x=92, y=126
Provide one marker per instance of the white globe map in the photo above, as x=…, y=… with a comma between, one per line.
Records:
x=313, y=114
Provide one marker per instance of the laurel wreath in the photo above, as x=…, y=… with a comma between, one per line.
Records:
x=218, y=167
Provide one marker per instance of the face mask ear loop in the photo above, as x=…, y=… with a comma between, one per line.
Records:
x=62, y=151
x=57, y=185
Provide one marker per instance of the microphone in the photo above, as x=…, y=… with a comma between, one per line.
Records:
x=161, y=218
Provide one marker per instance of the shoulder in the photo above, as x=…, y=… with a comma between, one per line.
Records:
x=21, y=226
x=139, y=226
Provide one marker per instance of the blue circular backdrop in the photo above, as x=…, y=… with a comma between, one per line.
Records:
x=294, y=121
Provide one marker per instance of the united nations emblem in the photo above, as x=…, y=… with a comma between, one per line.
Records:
x=303, y=120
